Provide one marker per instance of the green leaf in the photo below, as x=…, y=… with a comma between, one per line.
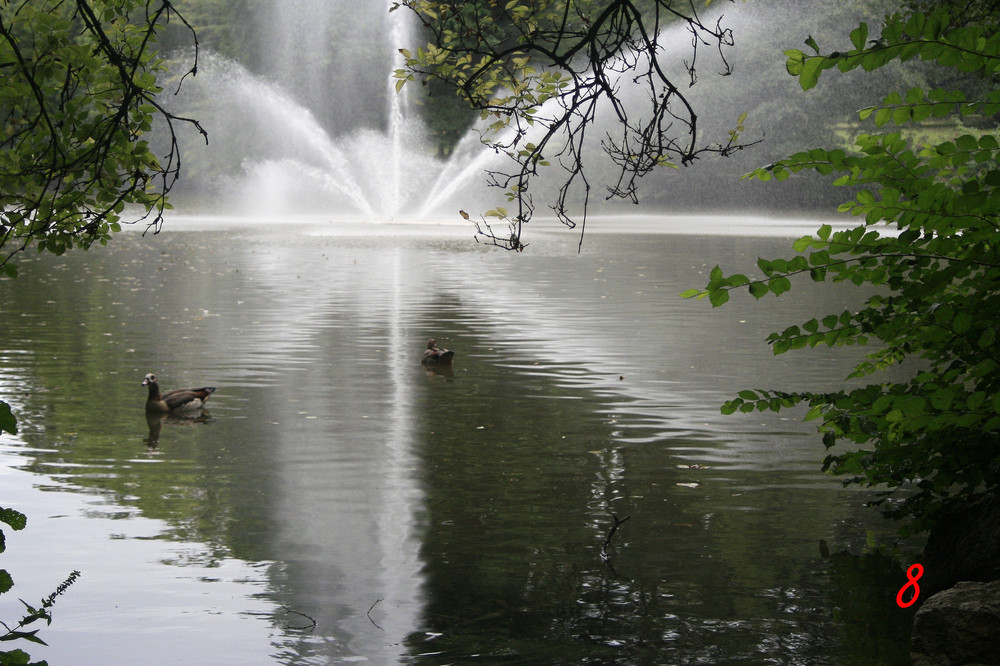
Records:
x=718, y=297
x=802, y=244
x=8, y=423
x=15, y=519
x=859, y=36
x=967, y=142
x=942, y=398
x=779, y=285
x=962, y=322
x=18, y=658
x=811, y=69
x=901, y=115
x=914, y=407
x=796, y=58
x=758, y=289
x=987, y=338
x=23, y=635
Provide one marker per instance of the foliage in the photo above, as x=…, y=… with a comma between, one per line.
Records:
x=936, y=267
x=539, y=72
x=984, y=13
x=7, y=421
x=77, y=97
x=17, y=521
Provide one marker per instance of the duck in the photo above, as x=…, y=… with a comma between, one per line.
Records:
x=434, y=354
x=176, y=401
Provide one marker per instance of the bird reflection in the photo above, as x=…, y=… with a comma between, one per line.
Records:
x=155, y=421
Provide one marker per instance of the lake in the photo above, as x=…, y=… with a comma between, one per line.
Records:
x=338, y=503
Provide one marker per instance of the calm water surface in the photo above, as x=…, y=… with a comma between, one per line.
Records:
x=338, y=504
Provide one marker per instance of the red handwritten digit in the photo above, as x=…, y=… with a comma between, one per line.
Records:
x=912, y=581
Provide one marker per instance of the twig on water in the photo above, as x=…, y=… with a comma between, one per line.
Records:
x=369, y=614
x=305, y=627
x=611, y=534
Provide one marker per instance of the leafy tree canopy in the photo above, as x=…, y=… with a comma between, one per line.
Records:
x=77, y=97
x=540, y=71
x=930, y=243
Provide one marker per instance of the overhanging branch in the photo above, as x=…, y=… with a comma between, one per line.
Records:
x=544, y=70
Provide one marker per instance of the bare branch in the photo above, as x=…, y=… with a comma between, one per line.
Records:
x=305, y=627
x=545, y=70
x=369, y=614
x=611, y=533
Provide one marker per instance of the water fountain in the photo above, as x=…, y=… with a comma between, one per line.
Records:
x=313, y=132
x=314, y=125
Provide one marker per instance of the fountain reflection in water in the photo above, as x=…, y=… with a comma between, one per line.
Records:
x=314, y=131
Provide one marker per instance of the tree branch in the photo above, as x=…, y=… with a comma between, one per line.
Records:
x=543, y=73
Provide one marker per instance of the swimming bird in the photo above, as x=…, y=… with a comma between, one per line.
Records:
x=434, y=354
x=176, y=401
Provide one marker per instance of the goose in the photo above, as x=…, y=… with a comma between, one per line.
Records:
x=434, y=354
x=178, y=400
